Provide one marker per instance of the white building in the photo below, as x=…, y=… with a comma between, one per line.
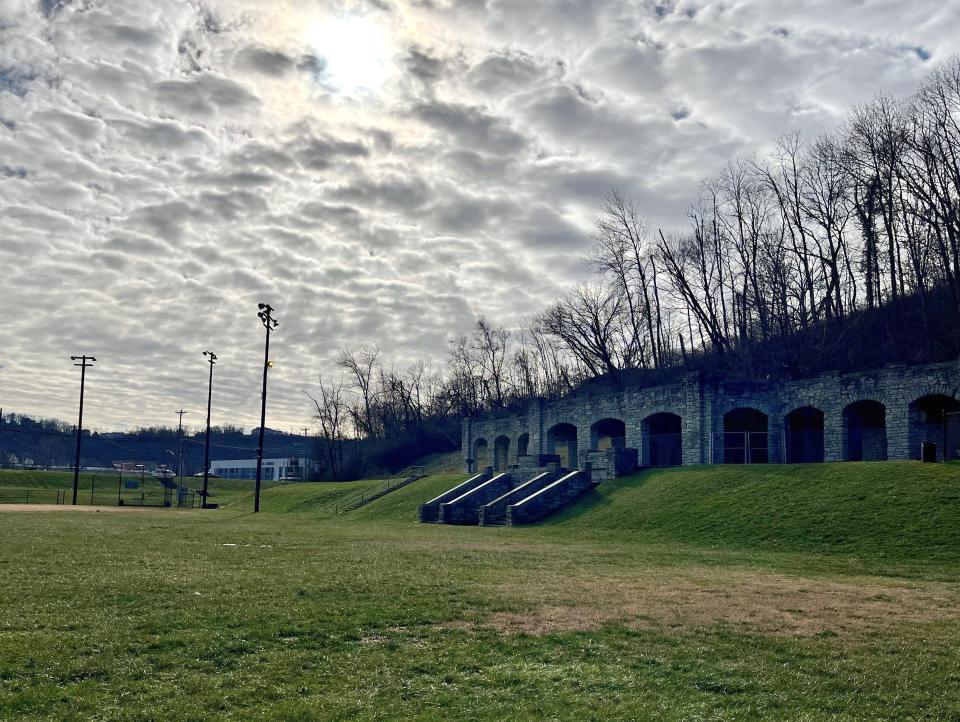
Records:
x=285, y=469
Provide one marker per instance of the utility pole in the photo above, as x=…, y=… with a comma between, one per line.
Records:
x=211, y=359
x=85, y=361
x=181, y=412
x=265, y=315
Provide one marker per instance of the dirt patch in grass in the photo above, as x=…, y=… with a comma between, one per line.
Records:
x=702, y=598
x=71, y=507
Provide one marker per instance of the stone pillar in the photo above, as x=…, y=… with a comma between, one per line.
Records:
x=466, y=443
x=695, y=429
x=535, y=413
x=633, y=418
x=833, y=436
x=775, y=436
x=703, y=437
x=898, y=428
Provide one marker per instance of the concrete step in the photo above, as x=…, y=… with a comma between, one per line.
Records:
x=495, y=512
x=430, y=511
x=549, y=499
x=465, y=509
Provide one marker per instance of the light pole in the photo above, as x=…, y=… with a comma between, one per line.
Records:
x=119, y=482
x=211, y=359
x=266, y=318
x=85, y=361
x=181, y=412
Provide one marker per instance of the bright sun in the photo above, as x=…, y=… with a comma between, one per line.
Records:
x=357, y=52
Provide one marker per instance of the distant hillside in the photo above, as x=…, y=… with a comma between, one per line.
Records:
x=52, y=443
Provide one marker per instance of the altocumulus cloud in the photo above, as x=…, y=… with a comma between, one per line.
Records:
x=164, y=166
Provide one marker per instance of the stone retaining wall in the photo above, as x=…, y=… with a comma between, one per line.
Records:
x=906, y=406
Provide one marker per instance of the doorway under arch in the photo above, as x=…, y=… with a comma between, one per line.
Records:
x=804, y=429
x=745, y=437
x=481, y=455
x=608, y=434
x=935, y=419
x=562, y=441
x=662, y=439
x=523, y=445
x=501, y=453
x=865, y=431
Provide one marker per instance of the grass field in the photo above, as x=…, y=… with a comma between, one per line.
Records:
x=785, y=592
x=101, y=487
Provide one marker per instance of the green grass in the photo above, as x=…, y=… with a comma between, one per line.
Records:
x=787, y=593
x=888, y=511
x=317, y=498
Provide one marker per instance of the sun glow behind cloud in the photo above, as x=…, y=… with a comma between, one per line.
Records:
x=357, y=52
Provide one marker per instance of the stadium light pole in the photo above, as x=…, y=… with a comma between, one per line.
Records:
x=211, y=359
x=265, y=314
x=85, y=362
x=181, y=412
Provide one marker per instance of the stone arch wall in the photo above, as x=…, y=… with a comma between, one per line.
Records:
x=701, y=404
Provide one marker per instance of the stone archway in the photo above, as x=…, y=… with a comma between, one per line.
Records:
x=804, y=429
x=662, y=439
x=745, y=437
x=562, y=441
x=523, y=445
x=865, y=431
x=481, y=455
x=608, y=434
x=501, y=454
x=935, y=419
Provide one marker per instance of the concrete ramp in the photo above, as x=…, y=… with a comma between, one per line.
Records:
x=465, y=509
x=549, y=499
x=494, y=513
x=430, y=512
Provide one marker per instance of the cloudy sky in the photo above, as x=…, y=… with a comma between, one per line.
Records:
x=378, y=171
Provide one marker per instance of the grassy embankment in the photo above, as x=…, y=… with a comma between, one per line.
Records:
x=815, y=592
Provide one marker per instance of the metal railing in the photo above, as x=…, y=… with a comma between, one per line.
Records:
x=102, y=495
x=368, y=494
x=747, y=447
x=33, y=496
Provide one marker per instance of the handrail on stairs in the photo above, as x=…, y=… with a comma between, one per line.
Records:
x=401, y=477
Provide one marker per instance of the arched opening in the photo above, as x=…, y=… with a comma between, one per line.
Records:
x=935, y=419
x=662, y=440
x=608, y=434
x=865, y=431
x=804, y=429
x=562, y=441
x=745, y=437
x=501, y=453
x=481, y=455
x=523, y=445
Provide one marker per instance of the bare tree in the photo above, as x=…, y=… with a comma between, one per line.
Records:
x=361, y=363
x=331, y=415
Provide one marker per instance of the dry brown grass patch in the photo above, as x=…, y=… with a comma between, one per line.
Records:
x=704, y=597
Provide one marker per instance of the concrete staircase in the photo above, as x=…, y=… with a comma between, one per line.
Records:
x=494, y=513
x=430, y=512
x=465, y=509
x=549, y=499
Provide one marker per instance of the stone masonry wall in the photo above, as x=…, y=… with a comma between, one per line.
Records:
x=702, y=405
